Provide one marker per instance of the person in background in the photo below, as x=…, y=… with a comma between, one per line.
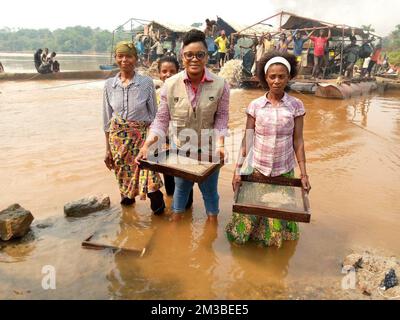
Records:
x=365, y=65
x=258, y=50
x=37, y=58
x=283, y=43
x=374, y=58
x=275, y=125
x=269, y=43
x=1, y=67
x=320, y=44
x=158, y=47
x=222, y=43
x=350, y=57
x=44, y=55
x=198, y=100
x=211, y=26
x=129, y=107
x=298, y=43
x=167, y=67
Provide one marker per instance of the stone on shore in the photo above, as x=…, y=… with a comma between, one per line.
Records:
x=375, y=274
x=85, y=206
x=353, y=260
x=15, y=222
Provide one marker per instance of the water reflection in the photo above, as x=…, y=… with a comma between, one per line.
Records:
x=260, y=272
x=178, y=264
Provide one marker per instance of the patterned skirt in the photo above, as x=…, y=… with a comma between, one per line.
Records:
x=126, y=138
x=263, y=230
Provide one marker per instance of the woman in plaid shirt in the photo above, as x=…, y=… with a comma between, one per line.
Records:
x=274, y=130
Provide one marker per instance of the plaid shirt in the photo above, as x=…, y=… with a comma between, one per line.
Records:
x=136, y=102
x=273, y=152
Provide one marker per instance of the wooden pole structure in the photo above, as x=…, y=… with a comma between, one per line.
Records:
x=341, y=53
x=259, y=22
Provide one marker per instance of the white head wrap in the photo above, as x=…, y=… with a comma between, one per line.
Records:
x=274, y=60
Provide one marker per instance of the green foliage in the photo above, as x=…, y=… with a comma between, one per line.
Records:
x=76, y=39
x=394, y=57
x=392, y=45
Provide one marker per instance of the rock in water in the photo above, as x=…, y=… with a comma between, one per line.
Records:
x=15, y=222
x=85, y=206
x=390, y=280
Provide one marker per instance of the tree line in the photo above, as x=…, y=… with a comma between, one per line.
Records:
x=81, y=39
x=76, y=39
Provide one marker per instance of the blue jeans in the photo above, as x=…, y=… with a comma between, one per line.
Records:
x=208, y=188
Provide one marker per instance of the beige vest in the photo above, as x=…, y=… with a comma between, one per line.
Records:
x=183, y=116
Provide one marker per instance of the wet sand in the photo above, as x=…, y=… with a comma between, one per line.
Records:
x=52, y=149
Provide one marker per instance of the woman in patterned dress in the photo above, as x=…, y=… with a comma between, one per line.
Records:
x=274, y=130
x=129, y=107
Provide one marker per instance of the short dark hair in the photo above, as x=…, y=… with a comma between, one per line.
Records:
x=268, y=56
x=169, y=59
x=194, y=35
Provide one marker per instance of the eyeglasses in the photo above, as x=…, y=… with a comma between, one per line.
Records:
x=189, y=55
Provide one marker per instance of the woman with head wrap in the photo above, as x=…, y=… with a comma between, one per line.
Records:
x=275, y=121
x=129, y=107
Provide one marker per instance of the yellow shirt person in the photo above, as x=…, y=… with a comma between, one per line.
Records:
x=222, y=43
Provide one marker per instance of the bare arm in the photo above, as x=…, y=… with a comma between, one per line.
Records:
x=309, y=34
x=298, y=145
x=246, y=145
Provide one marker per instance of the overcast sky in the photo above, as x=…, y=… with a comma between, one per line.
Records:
x=382, y=14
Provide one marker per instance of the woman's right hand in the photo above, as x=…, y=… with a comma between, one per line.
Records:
x=141, y=155
x=236, y=182
x=108, y=160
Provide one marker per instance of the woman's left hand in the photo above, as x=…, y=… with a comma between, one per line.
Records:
x=306, y=183
x=222, y=154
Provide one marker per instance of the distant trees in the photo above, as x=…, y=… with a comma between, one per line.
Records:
x=76, y=39
x=392, y=42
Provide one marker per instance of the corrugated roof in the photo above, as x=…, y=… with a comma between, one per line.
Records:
x=174, y=27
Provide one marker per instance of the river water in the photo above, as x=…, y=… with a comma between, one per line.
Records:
x=52, y=149
x=23, y=62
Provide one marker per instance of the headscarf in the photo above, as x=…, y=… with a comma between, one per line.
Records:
x=126, y=47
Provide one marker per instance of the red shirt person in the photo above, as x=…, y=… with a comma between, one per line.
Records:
x=320, y=43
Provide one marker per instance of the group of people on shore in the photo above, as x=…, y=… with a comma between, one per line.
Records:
x=45, y=62
x=136, y=119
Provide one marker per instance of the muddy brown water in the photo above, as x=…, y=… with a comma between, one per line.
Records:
x=52, y=149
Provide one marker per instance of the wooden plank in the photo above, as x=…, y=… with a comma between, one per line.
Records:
x=282, y=181
x=180, y=172
x=290, y=214
x=131, y=239
x=282, y=214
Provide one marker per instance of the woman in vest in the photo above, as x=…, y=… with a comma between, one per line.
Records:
x=196, y=102
x=129, y=107
x=276, y=122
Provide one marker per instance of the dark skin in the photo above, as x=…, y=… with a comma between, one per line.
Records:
x=126, y=65
x=277, y=78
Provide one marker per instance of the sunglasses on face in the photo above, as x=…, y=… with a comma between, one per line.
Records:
x=189, y=55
